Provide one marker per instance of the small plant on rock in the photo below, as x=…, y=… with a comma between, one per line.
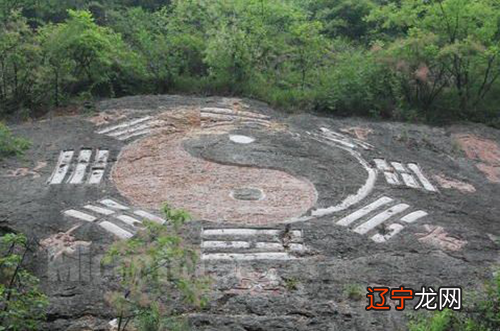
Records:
x=10, y=145
x=354, y=292
x=157, y=277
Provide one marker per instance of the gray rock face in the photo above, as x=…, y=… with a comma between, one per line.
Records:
x=381, y=204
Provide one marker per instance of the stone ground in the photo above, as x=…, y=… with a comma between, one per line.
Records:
x=291, y=210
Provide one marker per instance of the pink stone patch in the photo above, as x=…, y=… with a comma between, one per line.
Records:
x=448, y=183
x=484, y=150
x=358, y=132
x=157, y=170
x=437, y=236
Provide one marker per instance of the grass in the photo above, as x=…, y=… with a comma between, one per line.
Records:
x=354, y=292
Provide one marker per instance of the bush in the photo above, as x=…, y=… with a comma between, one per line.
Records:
x=480, y=313
x=157, y=274
x=22, y=304
x=10, y=145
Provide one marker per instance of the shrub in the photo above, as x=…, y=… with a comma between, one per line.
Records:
x=156, y=271
x=22, y=304
x=10, y=145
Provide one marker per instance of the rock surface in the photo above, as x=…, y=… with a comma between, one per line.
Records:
x=319, y=227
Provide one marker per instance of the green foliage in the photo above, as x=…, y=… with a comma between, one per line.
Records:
x=157, y=276
x=354, y=292
x=481, y=312
x=407, y=59
x=10, y=145
x=447, y=47
x=22, y=304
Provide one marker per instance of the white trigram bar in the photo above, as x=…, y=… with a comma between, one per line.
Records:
x=382, y=165
x=116, y=230
x=79, y=215
x=425, y=182
x=380, y=218
x=247, y=257
x=227, y=111
x=394, y=229
x=409, y=180
x=413, y=217
x=99, y=210
x=112, y=204
x=129, y=130
x=225, y=244
x=99, y=166
x=239, y=232
x=62, y=167
x=391, y=178
x=129, y=220
x=346, y=221
x=398, y=166
x=81, y=167
x=134, y=134
x=124, y=125
x=149, y=217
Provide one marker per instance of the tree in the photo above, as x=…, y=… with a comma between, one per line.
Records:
x=156, y=271
x=22, y=304
x=19, y=64
x=82, y=55
x=447, y=45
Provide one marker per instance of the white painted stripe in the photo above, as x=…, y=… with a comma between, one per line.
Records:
x=297, y=247
x=345, y=140
x=80, y=215
x=96, y=176
x=248, y=257
x=399, y=166
x=116, y=230
x=336, y=137
x=99, y=210
x=392, y=178
x=225, y=244
x=425, y=182
x=130, y=130
x=382, y=165
x=270, y=246
x=149, y=217
x=415, y=216
x=112, y=204
x=99, y=166
x=233, y=112
x=409, y=180
x=394, y=230
x=129, y=220
x=134, y=134
x=81, y=167
x=240, y=232
x=62, y=167
x=231, y=117
x=380, y=218
x=346, y=221
x=124, y=125
x=101, y=159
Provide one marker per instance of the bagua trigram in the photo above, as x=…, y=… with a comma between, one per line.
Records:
x=81, y=169
x=132, y=128
x=373, y=217
x=116, y=218
x=212, y=116
x=249, y=244
x=395, y=170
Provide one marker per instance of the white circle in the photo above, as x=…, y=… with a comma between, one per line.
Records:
x=241, y=139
